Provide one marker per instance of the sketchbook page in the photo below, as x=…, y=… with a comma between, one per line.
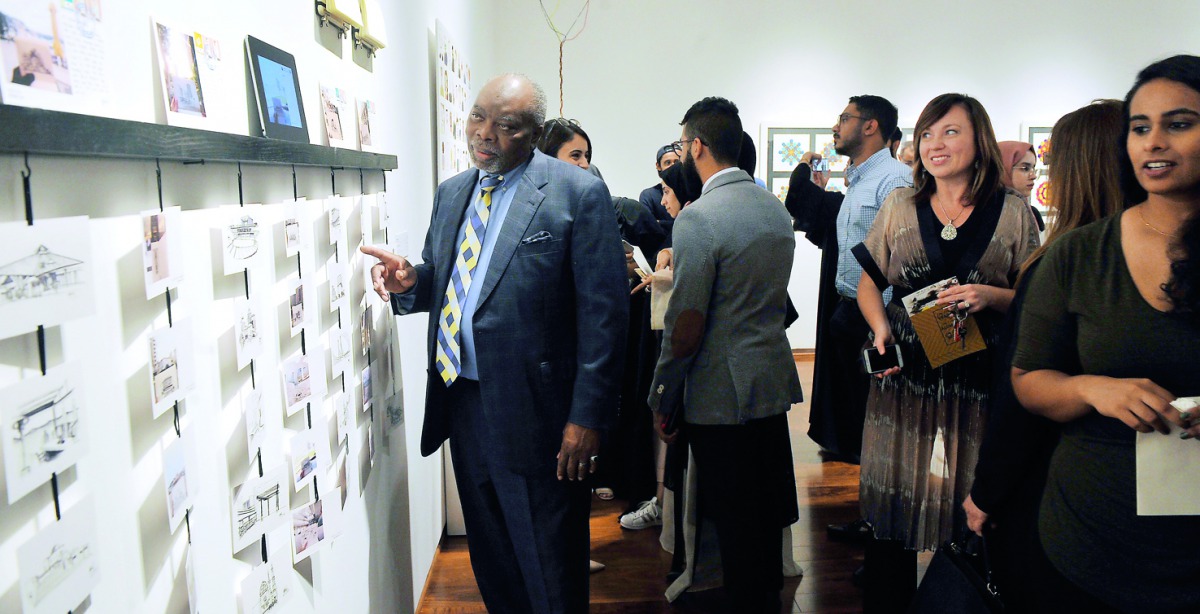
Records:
x=1166, y=481
x=45, y=274
x=44, y=431
x=259, y=505
x=60, y=566
x=53, y=56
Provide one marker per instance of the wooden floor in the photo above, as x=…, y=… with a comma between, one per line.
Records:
x=635, y=578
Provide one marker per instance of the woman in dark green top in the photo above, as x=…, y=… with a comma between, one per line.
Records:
x=1110, y=335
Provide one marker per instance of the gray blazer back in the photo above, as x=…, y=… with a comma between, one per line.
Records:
x=733, y=259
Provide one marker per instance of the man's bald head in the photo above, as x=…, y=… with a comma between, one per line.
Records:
x=505, y=122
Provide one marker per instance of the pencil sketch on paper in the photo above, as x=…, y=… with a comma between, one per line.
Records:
x=343, y=408
x=247, y=330
x=45, y=274
x=269, y=587
x=43, y=428
x=337, y=216
x=256, y=424
x=259, y=505
x=59, y=566
x=340, y=350
x=242, y=238
x=338, y=280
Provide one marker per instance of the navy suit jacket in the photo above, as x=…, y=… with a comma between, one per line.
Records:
x=552, y=314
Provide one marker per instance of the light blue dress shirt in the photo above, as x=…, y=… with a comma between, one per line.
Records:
x=502, y=198
x=870, y=183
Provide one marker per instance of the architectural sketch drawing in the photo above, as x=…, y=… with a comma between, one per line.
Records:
x=256, y=423
x=243, y=237
x=343, y=407
x=45, y=274
x=339, y=281
x=340, y=350
x=43, y=428
x=337, y=210
x=259, y=505
x=59, y=566
x=247, y=330
x=268, y=588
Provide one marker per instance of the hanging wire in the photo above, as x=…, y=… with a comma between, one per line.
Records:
x=565, y=37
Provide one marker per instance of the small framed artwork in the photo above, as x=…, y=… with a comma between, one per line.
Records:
x=277, y=91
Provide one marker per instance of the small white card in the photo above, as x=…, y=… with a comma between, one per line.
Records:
x=1166, y=480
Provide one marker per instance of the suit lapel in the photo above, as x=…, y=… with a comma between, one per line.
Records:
x=525, y=203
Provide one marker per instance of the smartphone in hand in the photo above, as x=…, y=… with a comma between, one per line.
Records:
x=874, y=362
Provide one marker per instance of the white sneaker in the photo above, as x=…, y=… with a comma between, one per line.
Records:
x=644, y=517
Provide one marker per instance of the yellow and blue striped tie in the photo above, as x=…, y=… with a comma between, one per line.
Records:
x=449, y=356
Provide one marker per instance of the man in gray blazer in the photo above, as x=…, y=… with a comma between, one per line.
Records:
x=523, y=276
x=725, y=351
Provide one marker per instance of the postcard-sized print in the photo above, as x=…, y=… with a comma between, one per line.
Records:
x=248, y=329
x=298, y=301
x=161, y=247
x=43, y=427
x=303, y=378
x=367, y=210
x=45, y=273
x=244, y=237
x=365, y=322
x=256, y=421
x=269, y=587
x=339, y=286
x=183, y=92
x=170, y=365
x=297, y=227
x=342, y=475
x=367, y=111
x=34, y=51
x=189, y=572
x=337, y=208
x=259, y=505
x=367, y=396
x=175, y=479
x=315, y=525
x=343, y=409
x=340, y=351
x=310, y=454
x=60, y=566
x=337, y=107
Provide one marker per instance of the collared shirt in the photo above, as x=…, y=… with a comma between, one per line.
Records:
x=502, y=198
x=718, y=174
x=870, y=183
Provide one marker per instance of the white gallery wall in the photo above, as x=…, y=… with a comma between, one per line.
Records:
x=391, y=529
x=636, y=68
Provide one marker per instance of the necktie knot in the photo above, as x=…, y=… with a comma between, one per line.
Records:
x=490, y=182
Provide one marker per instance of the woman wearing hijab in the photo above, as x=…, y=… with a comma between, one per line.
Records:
x=1020, y=173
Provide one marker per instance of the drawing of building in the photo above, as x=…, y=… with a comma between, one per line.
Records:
x=57, y=566
x=42, y=273
x=243, y=238
x=46, y=427
x=268, y=592
x=249, y=328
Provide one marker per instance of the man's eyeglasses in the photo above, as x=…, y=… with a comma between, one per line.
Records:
x=845, y=117
x=678, y=146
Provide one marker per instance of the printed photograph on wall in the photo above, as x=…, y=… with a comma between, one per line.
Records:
x=161, y=250
x=453, y=82
x=337, y=208
x=269, y=587
x=1039, y=137
x=308, y=530
x=367, y=388
x=297, y=307
x=53, y=56
x=259, y=505
x=60, y=566
x=366, y=121
x=182, y=90
x=304, y=378
x=297, y=227
x=43, y=427
x=45, y=274
x=175, y=481
x=337, y=109
x=170, y=366
x=310, y=454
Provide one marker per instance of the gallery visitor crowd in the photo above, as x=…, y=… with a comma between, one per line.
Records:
x=993, y=373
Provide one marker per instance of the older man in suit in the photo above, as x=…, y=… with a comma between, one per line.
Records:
x=725, y=351
x=524, y=278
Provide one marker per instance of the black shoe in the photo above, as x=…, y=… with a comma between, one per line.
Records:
x=858, y=578
x=857, y=532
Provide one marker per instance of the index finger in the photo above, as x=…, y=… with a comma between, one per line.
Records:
x=379, y=253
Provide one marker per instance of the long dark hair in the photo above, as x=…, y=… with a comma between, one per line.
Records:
x=985, y=181
x=1183, y=288
x=556, y=132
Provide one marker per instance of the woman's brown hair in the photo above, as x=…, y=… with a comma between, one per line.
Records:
x=1085, y=178
x=985, y=182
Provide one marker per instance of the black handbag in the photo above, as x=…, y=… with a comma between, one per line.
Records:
x=959, y=580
